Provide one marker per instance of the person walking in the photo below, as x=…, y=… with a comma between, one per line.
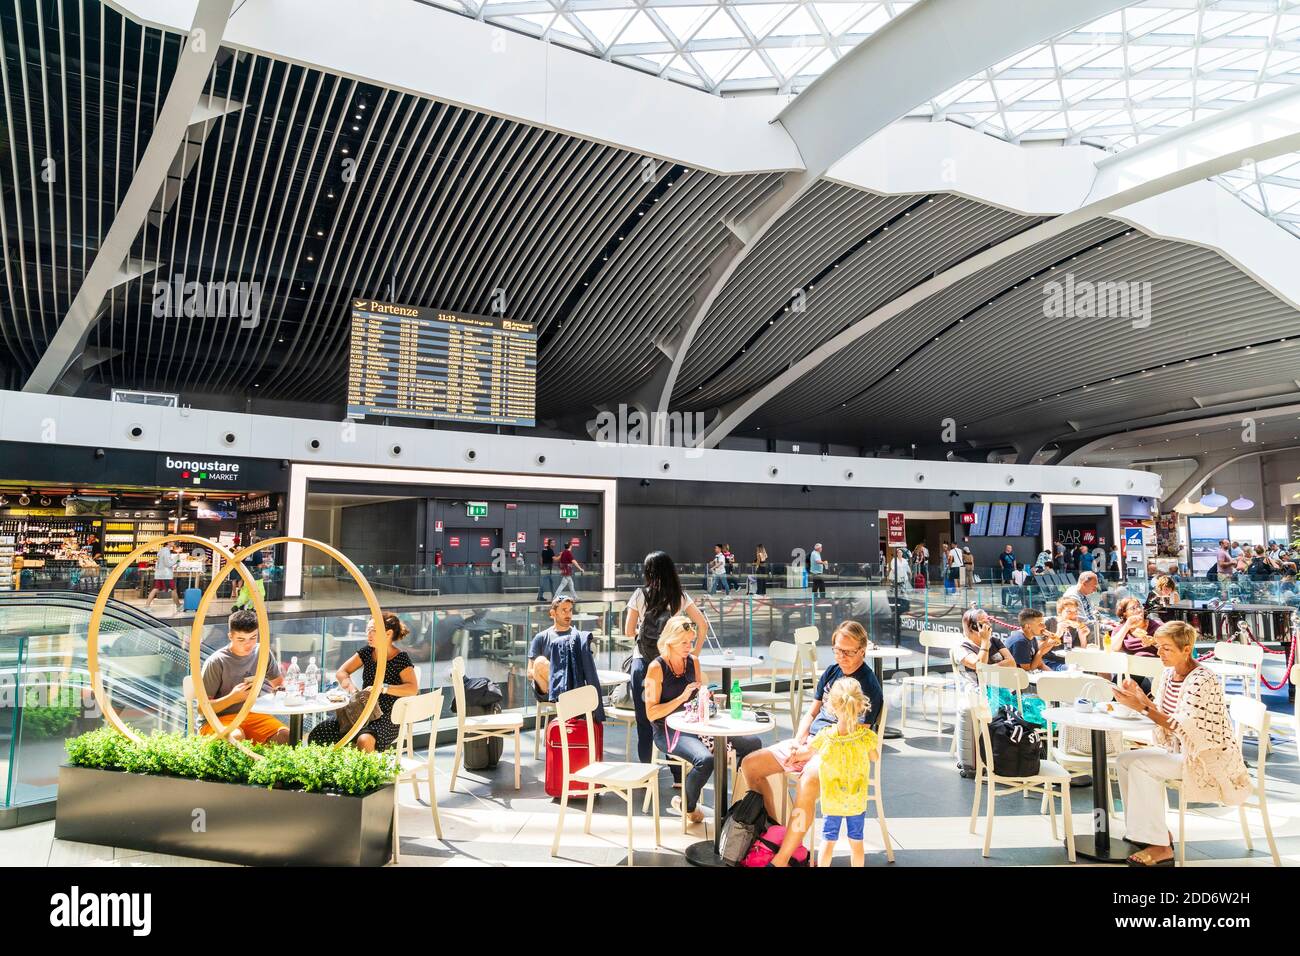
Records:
x=567, y=563
x=718, y=571
x=164, y=576
x=546, y=572
x=816, y=568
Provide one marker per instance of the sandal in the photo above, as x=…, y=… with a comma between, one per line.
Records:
x=1135, y=860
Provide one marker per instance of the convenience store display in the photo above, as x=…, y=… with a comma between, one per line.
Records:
x=7, y=542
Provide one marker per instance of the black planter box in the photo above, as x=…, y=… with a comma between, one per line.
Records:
x=241, y=824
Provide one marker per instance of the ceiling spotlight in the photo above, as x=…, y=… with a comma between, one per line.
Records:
x=645, y=482
x=806, y=490
x=24, y=499
x=3, y=501
x=45, y=501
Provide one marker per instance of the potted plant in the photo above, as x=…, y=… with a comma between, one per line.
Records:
x=200, y=796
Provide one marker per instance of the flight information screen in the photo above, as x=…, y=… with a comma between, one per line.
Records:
x=431, y=363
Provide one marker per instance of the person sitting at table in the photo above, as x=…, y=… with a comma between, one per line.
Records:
x=1163, y=593
x=980, y=646
x=570, y=650
x=1032, y=645
x=400, y=680
x=671, y=680
x=844, y=773
x=1068, y=624
x=1194, y=743
x=228, y=679
x=849, y=643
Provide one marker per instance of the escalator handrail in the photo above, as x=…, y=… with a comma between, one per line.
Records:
x=80, y=599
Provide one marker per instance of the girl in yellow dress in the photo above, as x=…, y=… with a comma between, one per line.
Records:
x=846, y=754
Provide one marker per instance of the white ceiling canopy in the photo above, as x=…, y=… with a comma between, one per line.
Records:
x=1148, y=69
x=734, y=46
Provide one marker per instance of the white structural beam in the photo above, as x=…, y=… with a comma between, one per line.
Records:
x=1210, y=465
x=415, y=48
x=1186, y=160
x=197, y=56
x=915, y=57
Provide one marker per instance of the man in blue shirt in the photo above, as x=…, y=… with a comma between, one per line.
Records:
x=1031, y=646
x=539, y=652
x=849, y=642
x=815, y=569
x=1085, y=558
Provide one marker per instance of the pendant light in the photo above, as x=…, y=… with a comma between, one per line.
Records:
x=1242, y=503
x=1214, y=500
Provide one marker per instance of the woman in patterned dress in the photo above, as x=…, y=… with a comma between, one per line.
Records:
x=400, y=680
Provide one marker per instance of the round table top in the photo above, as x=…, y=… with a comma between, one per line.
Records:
x=735, y=660
x=610, y=678
x=1229, y=669
x=874, y=652
x=315, y=705
x=586, y=617
x=1069, y=717
x=720, y=726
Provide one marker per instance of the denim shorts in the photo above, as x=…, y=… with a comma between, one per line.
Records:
x=831, y=827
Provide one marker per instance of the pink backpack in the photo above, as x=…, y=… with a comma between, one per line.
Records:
x=767, y=845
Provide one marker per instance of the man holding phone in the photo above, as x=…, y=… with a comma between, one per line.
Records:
x=228, y=679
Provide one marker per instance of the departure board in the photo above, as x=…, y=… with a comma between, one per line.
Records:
x=981, y=525
x=431, y=363
x=997, y=520
x=1016, y=521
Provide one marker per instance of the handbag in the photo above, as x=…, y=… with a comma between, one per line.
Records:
x=349, y=713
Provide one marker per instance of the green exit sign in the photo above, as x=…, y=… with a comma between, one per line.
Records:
x=568, y=512
x=476, y=509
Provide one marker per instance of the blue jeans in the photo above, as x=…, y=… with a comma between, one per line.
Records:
x=719, y=580
x=545, y=583
x=644, y=730
x=692, y=748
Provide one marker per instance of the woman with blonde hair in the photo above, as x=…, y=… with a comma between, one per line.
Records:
x=1194, y=743
x=671, y=681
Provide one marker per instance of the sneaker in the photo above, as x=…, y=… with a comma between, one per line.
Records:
x=1084, y=781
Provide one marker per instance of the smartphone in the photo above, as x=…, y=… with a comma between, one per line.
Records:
x=762, y=717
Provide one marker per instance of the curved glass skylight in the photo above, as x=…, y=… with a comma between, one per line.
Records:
x=1142, y=71
x=768, y=46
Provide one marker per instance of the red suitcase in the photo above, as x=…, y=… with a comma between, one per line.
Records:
x=578, y=755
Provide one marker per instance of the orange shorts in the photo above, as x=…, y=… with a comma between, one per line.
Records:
x=259, y=728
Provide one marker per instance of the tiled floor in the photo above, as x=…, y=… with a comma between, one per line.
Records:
x=486, y=822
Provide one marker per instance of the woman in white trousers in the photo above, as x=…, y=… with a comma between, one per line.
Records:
x=1194, y=744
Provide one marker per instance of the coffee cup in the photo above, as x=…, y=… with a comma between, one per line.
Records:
x=1083, y=705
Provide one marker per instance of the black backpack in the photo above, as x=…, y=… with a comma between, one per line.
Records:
x=742, y=825
x=649, y=627
x=1015, y=744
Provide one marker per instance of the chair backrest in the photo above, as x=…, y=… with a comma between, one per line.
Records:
x=417, y=709
x=1098, y=662
x=1012, y=678
x=1067, y=688
x=1251, y=654
x=1149, y=667
x=297, y=644
x=783, y=656
x=806, y=639
x=806, y=635
x=1253, y=715
x=938, y=640
x=579, y=702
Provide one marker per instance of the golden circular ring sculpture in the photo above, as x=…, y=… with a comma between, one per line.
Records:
x=372, y=603
x=97, y=614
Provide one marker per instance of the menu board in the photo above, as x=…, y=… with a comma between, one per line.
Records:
x=431, y=363
x=981, y=524
x=1016, y=520
x=1033, y=519
x=997, y=520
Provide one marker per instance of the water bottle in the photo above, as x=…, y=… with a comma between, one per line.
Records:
x=734, y=699
x=291, y=677
x=312, y=687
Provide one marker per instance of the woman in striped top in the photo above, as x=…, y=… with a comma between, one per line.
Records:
x=1194, y=744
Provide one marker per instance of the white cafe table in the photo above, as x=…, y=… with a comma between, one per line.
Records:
x=1097, y=847
x=705, y=852
x=612, y=678
x=312, y=705
x=877, y=655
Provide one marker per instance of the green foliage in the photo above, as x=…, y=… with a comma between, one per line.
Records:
x=42, y=719
x=304, y=767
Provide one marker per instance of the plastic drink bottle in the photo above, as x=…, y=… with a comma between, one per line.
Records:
x=291, y=677
x=311, y=680
x=734, y=699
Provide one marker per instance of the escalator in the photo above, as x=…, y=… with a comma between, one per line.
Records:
x=45, y=694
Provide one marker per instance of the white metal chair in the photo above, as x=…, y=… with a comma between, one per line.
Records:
x=783, y=657
x=481, y=726
x=660, y=759
x=1092, y=661
x=1148, y=667
x=1009, y=678
x=621, y=778
x=1049, y=775
x=1248, y=655
x=805, y=638
x=1252, y=715
x=302, y=646
x=927, y=682
x=627, y=717
x=407, y=712
x=1065, y=689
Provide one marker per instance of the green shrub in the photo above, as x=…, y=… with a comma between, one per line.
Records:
x=304, y=767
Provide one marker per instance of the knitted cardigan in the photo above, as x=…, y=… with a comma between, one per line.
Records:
x=1213, y=771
